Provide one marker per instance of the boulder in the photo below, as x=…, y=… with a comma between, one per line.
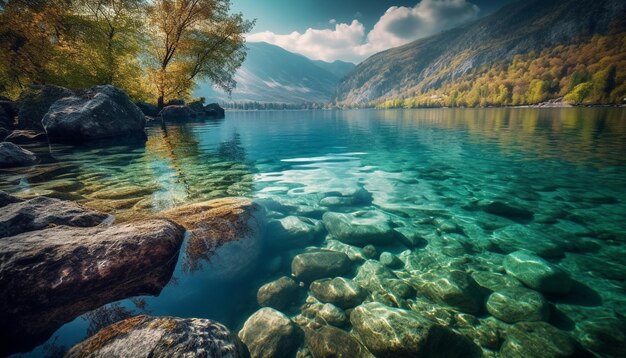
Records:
x=214, y=110
x=269, y=333
x=331, y=342
x=176, y=113
x=315, y=265
x=6, y=199
x=539, y=339
x=8, y=112
x=42, y=212
x=333, y=315
x=150, y=110
x=21, y=136
x=12, y=156
x=233, y=225
x=375, y=277
x=394, y=332
x=360, y=228
x=98, y=113
x=339, y=291
x=454, y=288
x=34, y=103
x=146, y=336
x=279, y=294
x=390, y=260
x=6, y=120
x=518, y=304
x=506, y=210
x=49, y=277
x=293, y=231
x=537, y=273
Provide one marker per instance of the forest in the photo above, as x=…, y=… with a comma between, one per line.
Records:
x=586, y=72
x=154, y=50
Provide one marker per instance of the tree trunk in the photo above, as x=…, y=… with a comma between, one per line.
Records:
x=160, y=102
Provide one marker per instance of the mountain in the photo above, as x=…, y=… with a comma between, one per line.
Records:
x=272, y=74
x=426, y=65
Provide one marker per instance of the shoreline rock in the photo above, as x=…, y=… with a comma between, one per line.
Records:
x=12, y=156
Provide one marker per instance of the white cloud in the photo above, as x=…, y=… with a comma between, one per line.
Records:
x=397, y=26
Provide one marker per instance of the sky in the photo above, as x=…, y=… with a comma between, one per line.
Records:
x=352, y=30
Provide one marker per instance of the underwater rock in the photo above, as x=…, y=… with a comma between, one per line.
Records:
x=49, y=277
x=293, y=231
x=176, y=113
x=390, y=260
x=375, y=277
x=146, y=336
x=96, y=113
x=518, y=304
x=35, y=101
x=279, y=294
x=537, y=273
x=360, y=228
x=340, y=291
x=410, y=238
x=269, y=333
x=333, y=315
x=331, y=342
x=12, y=156
x=539, y=339
x=359, y=197
x=123, y=192
x=519, y=237
x=25, y=137
x=494, y=281
x=455, y=288
x=394, y=332
x=42, y=212
x=355, y=254
x=233, y=225
x=604, y=335
x=315, y=265
x=506, y=210
x=370, y=251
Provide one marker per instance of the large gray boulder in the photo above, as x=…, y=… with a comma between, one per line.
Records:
x=97, y=113
x=49, y=277
x=339, y=291
x=269, y=333
x=147, y=337
x=453, y=287
x=12, y=156
x=34, y=103
x=214, y=110
x=394, y=332
x=293, y=231
x=42, y=212
x=360, y=228
x=279, y=294
x=518, y=304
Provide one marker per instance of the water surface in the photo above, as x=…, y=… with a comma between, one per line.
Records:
x=424, y=169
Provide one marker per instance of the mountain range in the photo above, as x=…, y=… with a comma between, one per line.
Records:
x=272, y=74
x=518, y=28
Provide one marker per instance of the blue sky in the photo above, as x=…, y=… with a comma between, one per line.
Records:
x=352, y=30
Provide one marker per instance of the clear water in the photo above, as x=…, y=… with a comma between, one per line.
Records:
x=422, y=168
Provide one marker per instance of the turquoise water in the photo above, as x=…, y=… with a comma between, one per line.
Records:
x=424, y=172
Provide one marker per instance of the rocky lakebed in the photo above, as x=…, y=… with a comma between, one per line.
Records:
x=355, y=249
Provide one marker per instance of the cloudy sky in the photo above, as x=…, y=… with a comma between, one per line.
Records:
x=352, y=30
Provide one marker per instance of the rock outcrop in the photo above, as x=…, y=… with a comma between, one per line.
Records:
x=176, y=113
x=49, y=277
x=146, y=336
x=98, y=113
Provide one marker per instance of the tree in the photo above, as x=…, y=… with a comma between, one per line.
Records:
x=579, y=93
x=193, y=39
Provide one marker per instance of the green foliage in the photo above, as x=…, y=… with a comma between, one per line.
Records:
x=81, y=43
x=591, y=72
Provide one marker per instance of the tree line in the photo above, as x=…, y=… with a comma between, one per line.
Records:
x=155, y=50
x=587, y=72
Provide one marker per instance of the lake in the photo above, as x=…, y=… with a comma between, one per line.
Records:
x=466, y=187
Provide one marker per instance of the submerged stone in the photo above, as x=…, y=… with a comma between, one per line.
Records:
x=360, y=228
x=41, y=212
x=494, y=281
x=333, y=315
x=518, y=304
x=279, y=294
x=375, y=277
x=340, y=291
x=537, y=273
x=508, y=211
x=269, y=333
x=49, y=277
x=146, y=336
x=331, y=342
x=455, y=288
x=394, y=332
x=604, y=335
x=539, y=339
x=390, y=260
x=26, y=136
x=293, y=231
x=315, y=265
